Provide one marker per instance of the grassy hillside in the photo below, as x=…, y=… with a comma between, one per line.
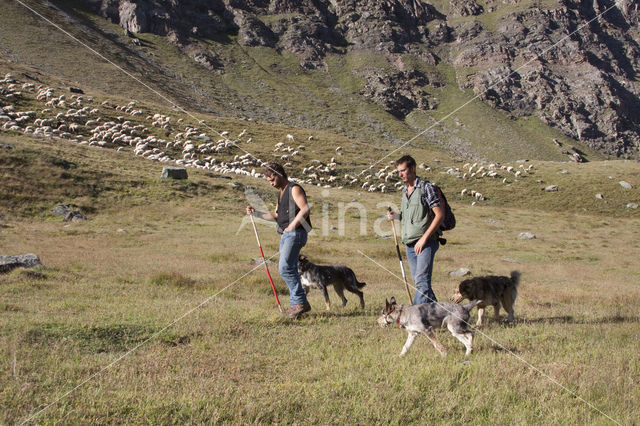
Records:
x=262, y=84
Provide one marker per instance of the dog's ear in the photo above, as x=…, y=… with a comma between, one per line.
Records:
x=393, y=300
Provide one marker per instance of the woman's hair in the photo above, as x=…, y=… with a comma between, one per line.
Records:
x=274, y=168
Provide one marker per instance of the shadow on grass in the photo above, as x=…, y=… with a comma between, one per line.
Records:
x=568, y=319
x=101, y=338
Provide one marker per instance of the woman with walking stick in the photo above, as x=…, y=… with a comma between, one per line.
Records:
x=292, y=217
x=422, y=212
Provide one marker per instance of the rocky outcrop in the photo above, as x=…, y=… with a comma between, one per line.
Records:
x=397, y=93
x=582, y=85
x=531, y=61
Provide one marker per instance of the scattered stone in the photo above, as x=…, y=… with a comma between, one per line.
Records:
x=599, y=196
x=564, y=172
x=526, y=236
x=462, y=272
x=5, y=145
x=120, y=230
x=8, y=263
x=632, y=205
x=174, y=172
x=76, y=90
x=509, y=260
x=236, y=185
x=625, y=185
x=551, y=188
x=493, y=222
x=74, y=216
x=61, y=210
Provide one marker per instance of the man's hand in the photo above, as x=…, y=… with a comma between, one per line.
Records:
x=417, y=248
x=250, y=210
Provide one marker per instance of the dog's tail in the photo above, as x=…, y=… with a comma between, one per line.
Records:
x=515, y=278
x=471, y=304
x=358, y=284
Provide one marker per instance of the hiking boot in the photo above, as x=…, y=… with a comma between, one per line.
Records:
x=296, y=311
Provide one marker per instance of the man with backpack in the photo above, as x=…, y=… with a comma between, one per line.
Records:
x=422, y=212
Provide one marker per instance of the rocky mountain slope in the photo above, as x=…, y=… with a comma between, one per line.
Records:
x=389, y=68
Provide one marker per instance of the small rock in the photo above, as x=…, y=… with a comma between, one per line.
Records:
x=74, y=216
x=599, y=196
x=551, y=188
x=236, y=185
x=8, y=263
x=61, y=210
x=509, y=260
x=625, y=185
x=76, y=90
x=493, y=222
x=632, y=205
x=174, y=172
x=526, y=236
x=564, y=172
x=6, y=146
x=462, y=272
x=120, y=230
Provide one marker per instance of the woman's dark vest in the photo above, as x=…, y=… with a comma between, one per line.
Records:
x=287, y=209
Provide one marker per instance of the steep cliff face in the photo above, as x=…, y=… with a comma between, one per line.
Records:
x=575, y=65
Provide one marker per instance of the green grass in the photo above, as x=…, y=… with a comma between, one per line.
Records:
x=145, y=259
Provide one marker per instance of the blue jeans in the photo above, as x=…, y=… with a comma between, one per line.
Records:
x=421, y=266
x=290, y=245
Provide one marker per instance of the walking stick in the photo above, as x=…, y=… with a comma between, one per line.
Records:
x=275, y=294
x=404, y=275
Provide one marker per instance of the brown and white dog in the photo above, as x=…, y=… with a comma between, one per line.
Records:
x=425, y=317
x=490, y=290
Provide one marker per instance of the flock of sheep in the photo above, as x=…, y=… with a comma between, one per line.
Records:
x=74, y=117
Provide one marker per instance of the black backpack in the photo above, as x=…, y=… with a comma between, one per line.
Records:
x=449, y=221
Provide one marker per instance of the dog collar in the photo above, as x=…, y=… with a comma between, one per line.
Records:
x=399, y=315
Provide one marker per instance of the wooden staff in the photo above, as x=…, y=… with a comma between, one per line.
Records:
x=404, y=275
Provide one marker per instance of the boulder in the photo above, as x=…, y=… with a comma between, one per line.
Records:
x=625, y=185
x=8, y=263
x=74, y=216
x=526, y=236
x=174, y=172
x=61, y=210
x=461, y=272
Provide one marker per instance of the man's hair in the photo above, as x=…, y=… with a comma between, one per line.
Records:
x=409, y=160
x=274, y=168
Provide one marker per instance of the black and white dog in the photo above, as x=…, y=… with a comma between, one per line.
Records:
x=321, y=276
x=425, y=317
